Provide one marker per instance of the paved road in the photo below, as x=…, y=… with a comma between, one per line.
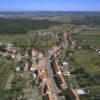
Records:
x=51, y=75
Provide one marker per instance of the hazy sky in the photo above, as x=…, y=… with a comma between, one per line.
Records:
x=52, y=5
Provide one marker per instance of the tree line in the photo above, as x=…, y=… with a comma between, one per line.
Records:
x=20, y=26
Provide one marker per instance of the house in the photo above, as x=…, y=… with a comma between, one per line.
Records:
x=65, y=64
x=80, y=91
x=98, y=51
x=17, y=69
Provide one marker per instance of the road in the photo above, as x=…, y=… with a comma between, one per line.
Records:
x=51, y=75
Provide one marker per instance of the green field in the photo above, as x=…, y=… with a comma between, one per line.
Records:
x=5, y=70
x=94, y=31
x=85, y=63
x=90, y=37
x=85, y=70
x=86, y=59
x=11, y=38
x=93, y=40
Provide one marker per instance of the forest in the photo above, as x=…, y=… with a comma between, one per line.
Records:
x=20, y=26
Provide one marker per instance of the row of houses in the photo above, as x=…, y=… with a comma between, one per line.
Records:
x=37, y=66
x=7, y=50
x=57, y=68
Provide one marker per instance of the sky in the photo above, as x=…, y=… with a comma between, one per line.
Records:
x=49, y=5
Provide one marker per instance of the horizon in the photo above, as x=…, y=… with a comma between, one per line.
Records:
x=44, y=11
x=50, y=5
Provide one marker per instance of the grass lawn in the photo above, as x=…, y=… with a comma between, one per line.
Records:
x=86, y=59
x=94, y=89
x=5, y=70
x=10, y=79
x=93, y=40
x=91, y=37
x=11, y=38
x=92, y=32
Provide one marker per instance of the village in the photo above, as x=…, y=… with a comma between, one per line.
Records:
x=43, y=75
